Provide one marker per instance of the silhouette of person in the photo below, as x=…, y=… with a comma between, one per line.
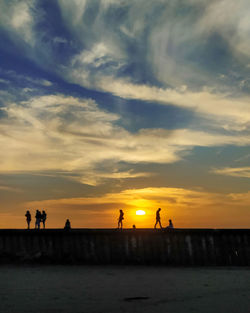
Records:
x=158, y=218
x=28, y=218
x=43, y=218
x=170, y=224
x=38, y=219
x=134, y=227
x=121, y=217
x=67, y=225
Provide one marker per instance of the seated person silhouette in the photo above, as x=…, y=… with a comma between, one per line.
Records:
x=170, y=226
x=67, y=225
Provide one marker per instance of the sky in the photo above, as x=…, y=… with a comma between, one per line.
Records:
x=119, y=104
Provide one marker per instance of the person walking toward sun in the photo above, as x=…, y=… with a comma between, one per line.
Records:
x=158, y=218
x=121, y=217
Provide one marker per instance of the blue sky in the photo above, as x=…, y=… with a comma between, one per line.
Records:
x=106, y=103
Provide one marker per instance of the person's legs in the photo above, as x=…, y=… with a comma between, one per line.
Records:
x=157, y=221
x=160, y=223
x=120, y=224
x=28, y=222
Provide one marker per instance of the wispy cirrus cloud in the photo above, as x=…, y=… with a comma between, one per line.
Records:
x=230, y=19
x=228, y=112
x=86, y=86
x=118, y=55
x=172, y=44
x=18, y=18
x=9, y=188
x=234, y=171
x=55, y=132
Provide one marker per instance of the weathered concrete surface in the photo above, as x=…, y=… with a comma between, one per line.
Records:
x=126, y=289
x=178, y=247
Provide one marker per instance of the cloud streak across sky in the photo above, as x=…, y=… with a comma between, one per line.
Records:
x=112, y=92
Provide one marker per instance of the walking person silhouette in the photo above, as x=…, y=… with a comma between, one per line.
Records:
x=43, y=218
x=28, y=218
x=121, y=217
x=158, y=218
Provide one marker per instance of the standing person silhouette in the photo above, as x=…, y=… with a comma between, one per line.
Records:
x=43, y=218
x=28, y=218
x=121, y=217
x=158, y=217
x=38, y=219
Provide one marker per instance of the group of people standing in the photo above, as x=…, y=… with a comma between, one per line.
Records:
x=40, y=217
x=158, y=220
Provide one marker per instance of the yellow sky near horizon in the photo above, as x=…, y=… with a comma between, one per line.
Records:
x=187, y=208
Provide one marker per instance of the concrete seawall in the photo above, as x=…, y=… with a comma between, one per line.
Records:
x=178, y=247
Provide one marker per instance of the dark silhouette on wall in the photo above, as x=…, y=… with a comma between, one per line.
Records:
x=170, y=225
x=158, y=218
x=134, y=227
x=120, y=219
x=28, y=218
x=43, y=218
x=38, y=217
x=67, y=225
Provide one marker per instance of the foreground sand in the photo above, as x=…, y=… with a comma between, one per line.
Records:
x=105, y=289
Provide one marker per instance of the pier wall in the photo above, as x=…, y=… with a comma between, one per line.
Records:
x=178, y=247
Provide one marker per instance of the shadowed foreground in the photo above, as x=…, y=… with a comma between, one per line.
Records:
x=105, y=289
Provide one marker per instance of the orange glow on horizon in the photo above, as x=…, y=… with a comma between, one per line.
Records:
x=187, y=208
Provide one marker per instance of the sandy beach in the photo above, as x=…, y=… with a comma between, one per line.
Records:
x=127, y=289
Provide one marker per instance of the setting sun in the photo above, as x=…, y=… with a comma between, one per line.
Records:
x=140, y=212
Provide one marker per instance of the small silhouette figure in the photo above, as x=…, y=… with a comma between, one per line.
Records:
x=38, y=217
x=121, y=217
x=134, y=227
x=67, y=225
x=170, y=226
x=43, y=218
x=28, y=218
x=158, y=218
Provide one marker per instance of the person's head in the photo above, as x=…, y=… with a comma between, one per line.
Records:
x=159, y=209
x=121, y=211
x=170, y=221
x=28, y=211
x=43, y=211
